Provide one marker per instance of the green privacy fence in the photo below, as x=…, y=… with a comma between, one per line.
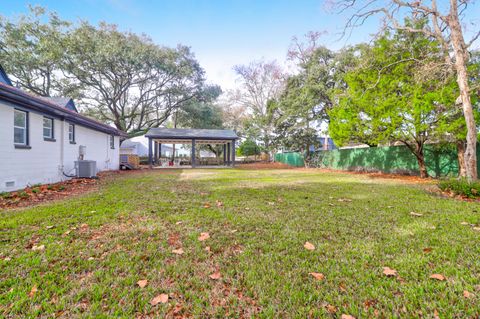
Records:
x=290, y=158
x=441, y=160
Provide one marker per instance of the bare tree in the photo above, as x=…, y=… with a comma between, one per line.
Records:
x=445, y=26
x=259, y=82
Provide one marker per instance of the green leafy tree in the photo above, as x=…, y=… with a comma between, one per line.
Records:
x=121, y=78
x=308, y=94
x=386, y=101
x=202, y=112
x=443, y=22
x=130, y=81
x=32, y=51
x=249, y=148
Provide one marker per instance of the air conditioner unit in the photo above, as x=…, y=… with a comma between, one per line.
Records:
x=86, y=169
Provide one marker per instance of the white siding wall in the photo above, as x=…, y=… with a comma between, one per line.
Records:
x=42, y=163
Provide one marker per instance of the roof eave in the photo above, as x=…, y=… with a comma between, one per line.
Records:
x=37, y=104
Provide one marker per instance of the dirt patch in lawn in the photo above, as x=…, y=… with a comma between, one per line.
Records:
x=265, y=165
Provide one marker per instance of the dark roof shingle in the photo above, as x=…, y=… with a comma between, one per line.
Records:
x=182, y=133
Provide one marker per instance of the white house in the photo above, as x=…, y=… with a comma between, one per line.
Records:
x=40, y=139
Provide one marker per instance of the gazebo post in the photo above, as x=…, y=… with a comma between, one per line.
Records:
x=233, y=153
x=150, y=153
x=193, y=153
x=159, y=152
x=224, y=154
x=228, y=154
x=155, y=152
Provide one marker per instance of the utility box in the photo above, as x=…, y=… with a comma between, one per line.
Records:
x=86, y=169
x=82, y=151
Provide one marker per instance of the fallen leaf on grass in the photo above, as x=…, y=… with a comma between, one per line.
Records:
x=218, y=203
x=467, y=294
x=317, y=275
x=162, y=298
x=207, y=248
x=178, y=223
x=427, y=250
x=207, y=205
x=178, y=251
x=203, y=236
x=415, y=214
x=142, y=283
x=464, y=223
x=389, y=272
x=216, y=275
x=38, y=248
x=344, y=316
x=344, y=200
x=342, y=287
x=32, y=291
x=476, y=228
x=50, y=227
x=331, y=308
x=369, y=303
x=438, y=277
x=309, y=246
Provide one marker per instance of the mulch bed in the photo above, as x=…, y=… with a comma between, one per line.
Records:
x=37, y=194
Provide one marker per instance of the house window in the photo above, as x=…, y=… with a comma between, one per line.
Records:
x=112, y=142
x=71, y=133
x=20, y=128
x=48, y=128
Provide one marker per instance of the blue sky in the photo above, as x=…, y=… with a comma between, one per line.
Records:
x=221, y=33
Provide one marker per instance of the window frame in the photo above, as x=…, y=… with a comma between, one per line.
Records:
x=26, y=141
x=50, y=138
x=111, y=139
x=72, y=138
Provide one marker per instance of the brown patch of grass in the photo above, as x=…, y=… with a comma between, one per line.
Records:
x=264, y=165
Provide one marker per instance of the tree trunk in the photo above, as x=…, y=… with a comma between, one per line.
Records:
x=417, y=150
x=461, y=59
x=422, y=166
x=462, y=170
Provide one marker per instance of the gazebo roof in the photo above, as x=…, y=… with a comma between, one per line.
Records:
x=181, y=133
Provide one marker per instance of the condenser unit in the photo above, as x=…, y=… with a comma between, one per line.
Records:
x=86, y=169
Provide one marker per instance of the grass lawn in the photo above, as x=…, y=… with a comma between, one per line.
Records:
x=102, y=243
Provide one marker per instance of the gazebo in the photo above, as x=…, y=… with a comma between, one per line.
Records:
x=158, y=136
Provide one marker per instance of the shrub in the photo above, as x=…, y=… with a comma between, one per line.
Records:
x=461, y=187
x=5, y=195
x=23, y=195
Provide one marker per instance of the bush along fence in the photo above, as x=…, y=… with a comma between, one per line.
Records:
x=441, y=160
x=290, y=158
